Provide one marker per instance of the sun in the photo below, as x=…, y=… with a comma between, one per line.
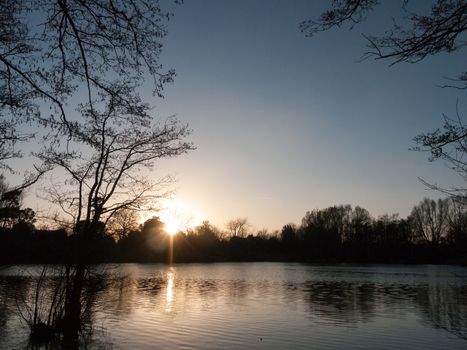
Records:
x=172, y=224
x=178, y=216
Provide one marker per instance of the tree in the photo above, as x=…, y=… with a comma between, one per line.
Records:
x=51, y=51
x=203, y=239
x=335, y=220
x=457, y=224
x=105, y=159
x=238, y=227
x=450, y=145
x=14, y=97
x=360, y=220
x=430, y=220
x=288, y=233
x=207, y=230
x=263, y=233
x=77, y=73
x=104, y=165
x=122, y=222
x=324, y=230
x=153, y=226
x=441, y=31
x=11, y=212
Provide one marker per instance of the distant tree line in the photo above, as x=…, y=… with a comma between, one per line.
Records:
x=434, y=232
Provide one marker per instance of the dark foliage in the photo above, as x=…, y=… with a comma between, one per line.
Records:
x=435, y=232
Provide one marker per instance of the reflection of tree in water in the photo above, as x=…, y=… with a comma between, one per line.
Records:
x=123, y=293
x=335, y=302
x=444, y=307
x=151, y=286
x=119, y=297
x=205, y=288
x=3, y=313
x=340, y=301
x=237, y=288
x=127, y=293
x=3, y=305
x=30, y=296
x=344, y=302
x=11, y=297
x=441, y=306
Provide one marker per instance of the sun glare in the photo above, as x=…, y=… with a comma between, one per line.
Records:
x=178, y=216
x=171, y=226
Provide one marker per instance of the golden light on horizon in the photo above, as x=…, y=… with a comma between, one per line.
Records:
x=169, y=295
x=171, y=227
x=177, y=215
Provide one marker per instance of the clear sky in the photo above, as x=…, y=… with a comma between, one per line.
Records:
x=284, y=124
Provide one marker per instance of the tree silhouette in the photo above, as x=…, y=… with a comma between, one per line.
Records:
x=418, y=37
x=122, y=222
x=430, y=220
x=440, y=31
x=52, y=51
x=457, y=234
x=238, y=227
x=450, y=145
x=103, y=165
x=288, y=233
x=75, y=68
x=11, y=213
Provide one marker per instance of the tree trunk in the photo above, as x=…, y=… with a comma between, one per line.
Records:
x=72, y=318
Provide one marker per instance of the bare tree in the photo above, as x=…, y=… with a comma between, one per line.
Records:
x=440, y=31
x=75, y=68
x=238, y=227
x=341, y=12
x=122, y=222
x=457, y=224
x=430, y=220
x=103, y=164
x=263, y=233
x=450, y=145
x=104, y=160
x=51, y=51
x=360, y=220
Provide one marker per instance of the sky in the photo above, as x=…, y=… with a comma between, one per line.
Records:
x=284, y=124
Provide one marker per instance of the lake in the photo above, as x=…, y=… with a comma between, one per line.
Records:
x=261, y=306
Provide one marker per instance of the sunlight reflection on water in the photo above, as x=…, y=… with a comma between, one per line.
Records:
x=268, y=306
x=169, y=290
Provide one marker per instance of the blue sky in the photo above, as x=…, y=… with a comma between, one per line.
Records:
x=284, y=123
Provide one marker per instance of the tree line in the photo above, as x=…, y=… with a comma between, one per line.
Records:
x=434, y=232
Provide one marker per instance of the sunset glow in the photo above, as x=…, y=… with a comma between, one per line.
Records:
x=233, y=174
x=177, y=216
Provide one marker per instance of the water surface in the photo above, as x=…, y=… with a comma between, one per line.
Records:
x=263, y=306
